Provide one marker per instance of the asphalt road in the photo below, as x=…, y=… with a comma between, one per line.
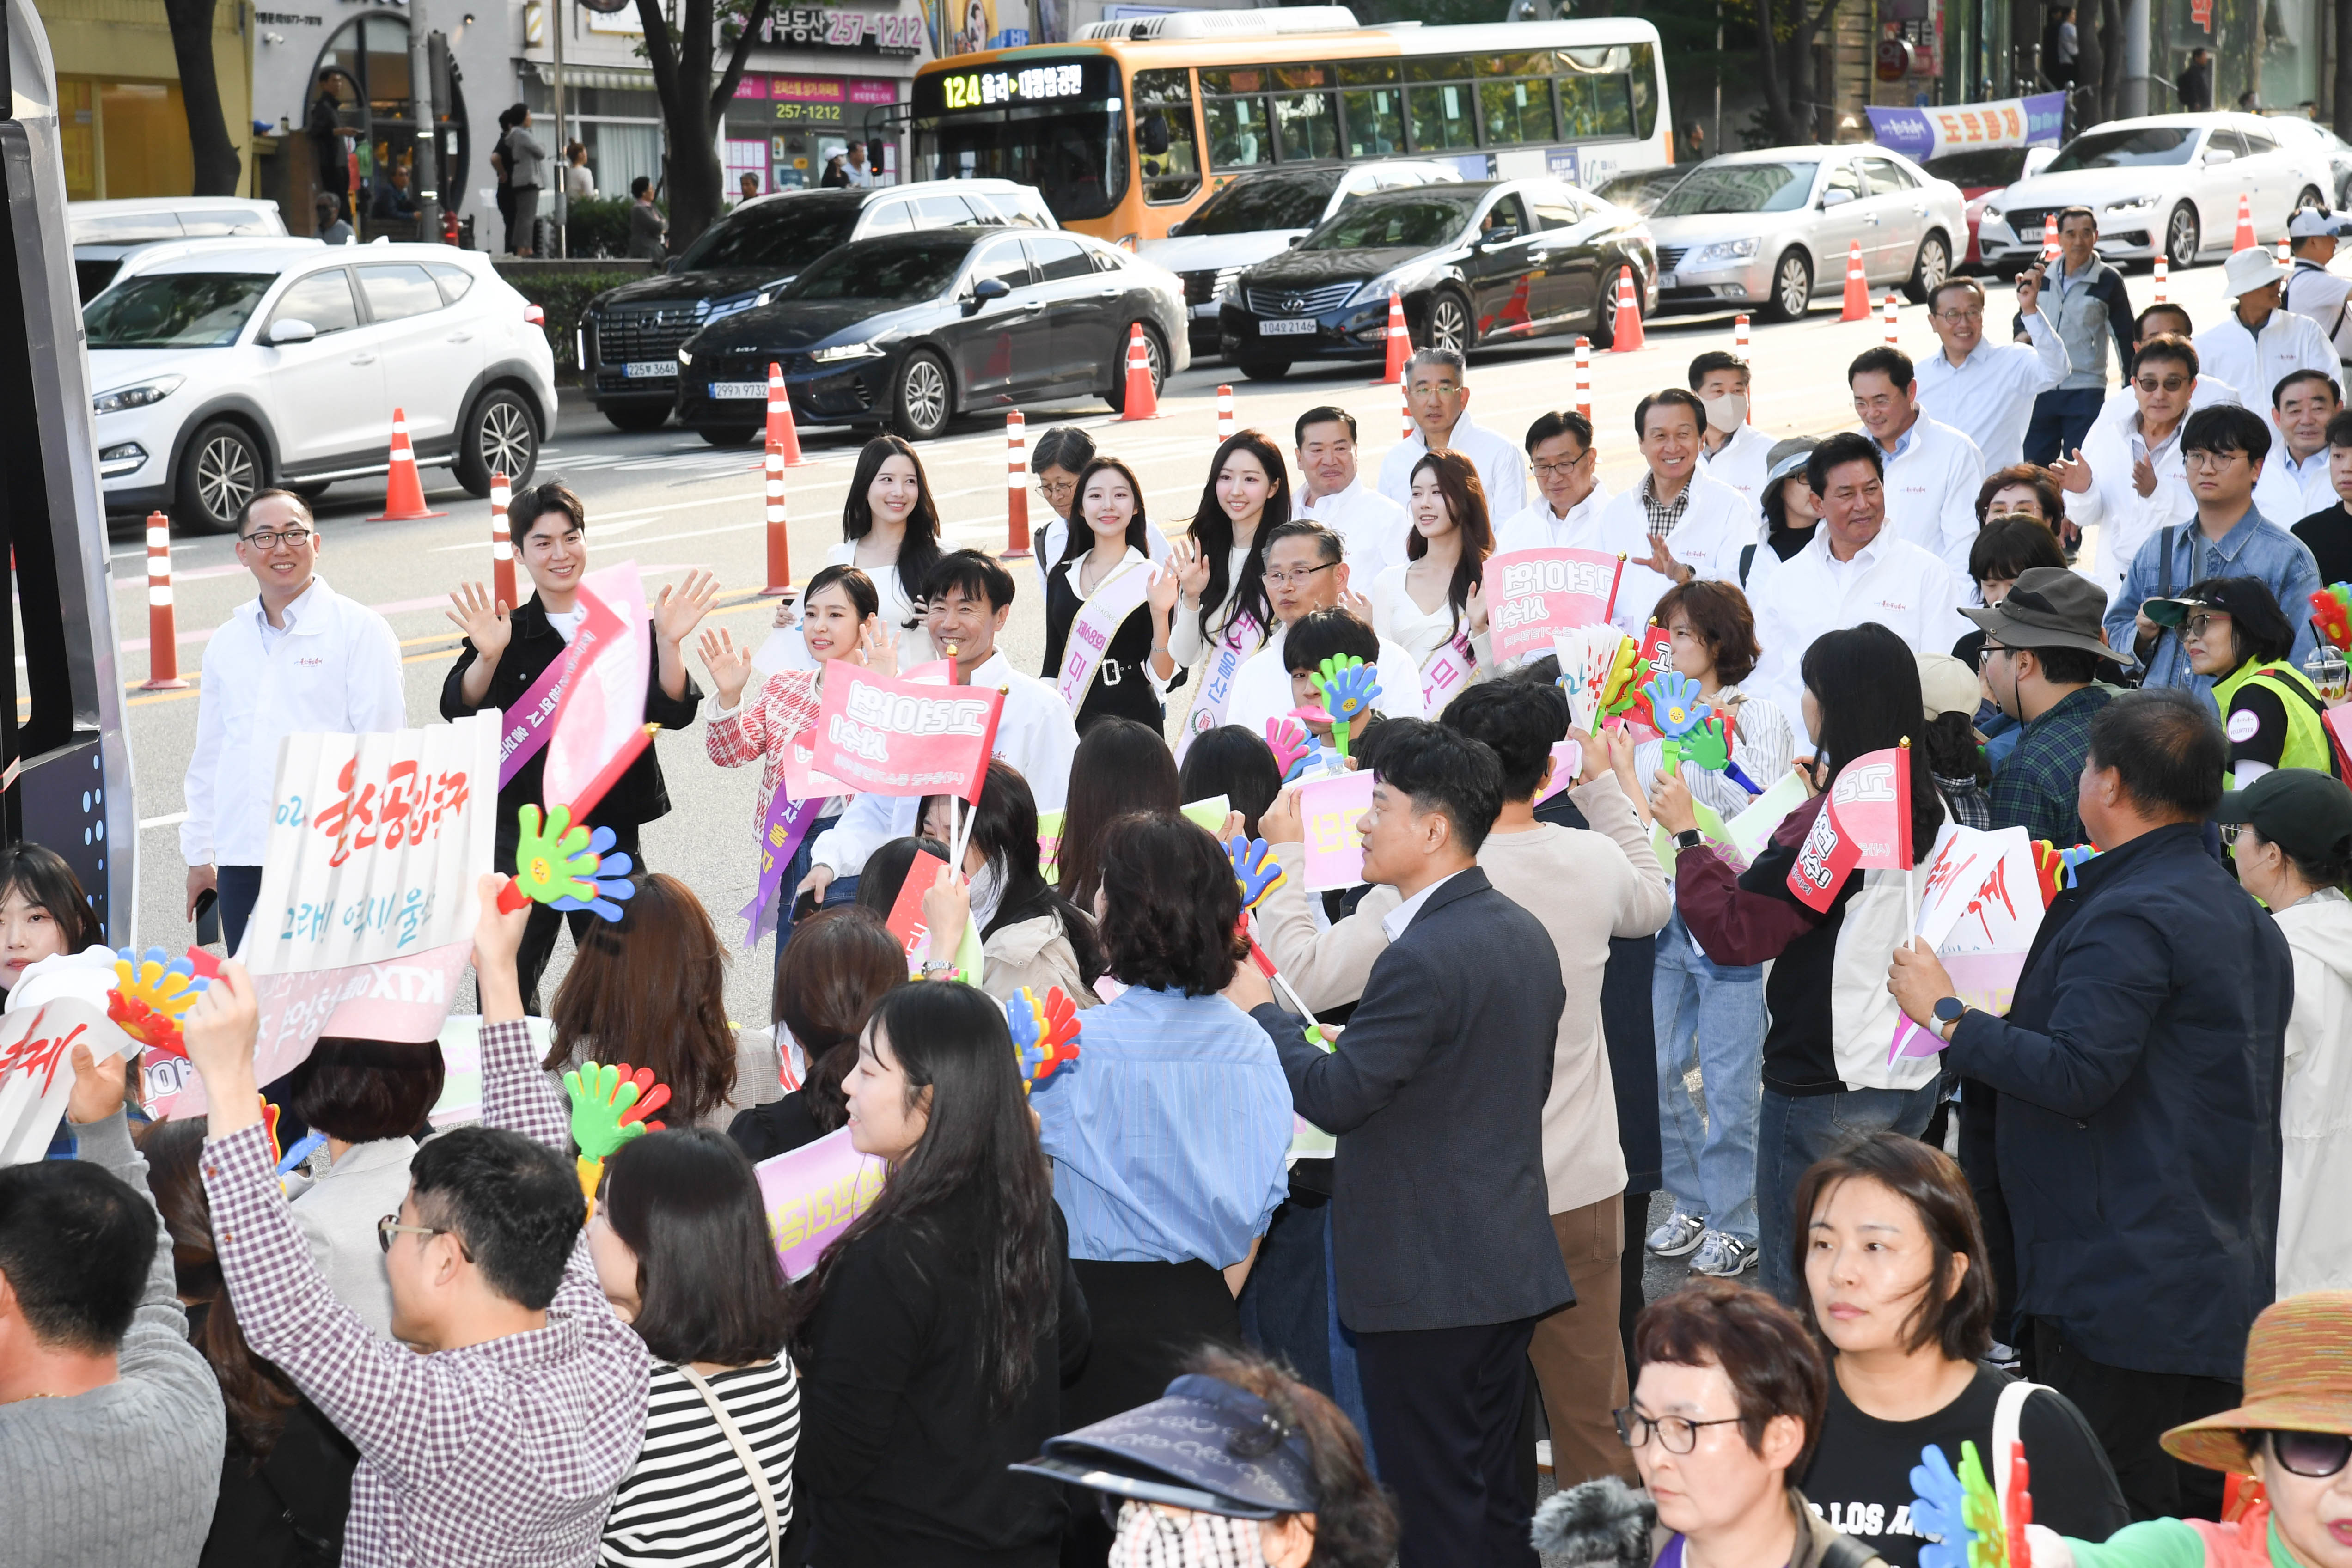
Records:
x=673, y=504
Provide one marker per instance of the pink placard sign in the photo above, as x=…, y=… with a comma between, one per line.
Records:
x=1329, y=809
x=1533, y=594
x=811, y=1196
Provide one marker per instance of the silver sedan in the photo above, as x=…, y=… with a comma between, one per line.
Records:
x=1772, y=229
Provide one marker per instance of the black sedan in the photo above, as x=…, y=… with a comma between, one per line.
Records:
x=1495, y=261
x=907, y=330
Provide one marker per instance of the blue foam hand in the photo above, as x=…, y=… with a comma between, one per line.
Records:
x=605, y=870
x=1255, y=868
x=1315, y=759
x=1939, y=1509
x=1674, y=704
x=1349, y=687
x=1021, y=1018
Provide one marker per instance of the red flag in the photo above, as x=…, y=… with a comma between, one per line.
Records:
x=1866, y=825
x=906, y=922
x=901, y=737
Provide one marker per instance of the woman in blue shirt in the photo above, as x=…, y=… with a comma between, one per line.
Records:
x=1167, y=1135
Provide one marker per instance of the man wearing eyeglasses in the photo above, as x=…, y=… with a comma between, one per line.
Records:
x=300, y=658
x=1982, y=389
x=1307, y=570
x=1569, y=497
x=2223, y=450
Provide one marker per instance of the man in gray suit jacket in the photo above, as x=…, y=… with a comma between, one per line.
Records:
x=1442, y=1233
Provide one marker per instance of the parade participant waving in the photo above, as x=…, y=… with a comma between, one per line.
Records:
x=1105, y=585
x=1222, y=611
x=508, y=650
x=1434, y=605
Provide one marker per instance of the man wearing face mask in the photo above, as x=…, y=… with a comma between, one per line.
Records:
x=1438, y=395
x=1734, y=452
x=1982, y=389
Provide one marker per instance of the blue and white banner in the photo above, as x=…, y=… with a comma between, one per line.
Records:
x=1924, y=133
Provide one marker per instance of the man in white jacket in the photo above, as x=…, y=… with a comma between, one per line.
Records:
x=1332, y=491
x=2256, y=345
x=1438, y=394
x=2294, y=482
x=1570, y=496
x=2130, y=477
x=1932, y=470
x=1985, y=390
x=1734, y=452
x=1678, y=523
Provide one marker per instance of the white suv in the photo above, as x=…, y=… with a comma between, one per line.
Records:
x=222, y=366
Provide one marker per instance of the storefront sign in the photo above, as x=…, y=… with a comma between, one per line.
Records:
x=878, y=32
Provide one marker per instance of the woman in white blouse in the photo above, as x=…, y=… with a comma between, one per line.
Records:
x=1219, y=562
x=890, y=530
x=1436, y=600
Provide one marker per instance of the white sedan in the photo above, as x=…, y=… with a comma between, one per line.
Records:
x=2164, y=183
x=224, y=367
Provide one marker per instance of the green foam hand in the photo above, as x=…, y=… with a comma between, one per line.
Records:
x=1709, y=747
x=551, y=865
x=1980, y=1507
x=601, y=1096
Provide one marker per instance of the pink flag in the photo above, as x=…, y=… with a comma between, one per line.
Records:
x=1866, y=825
x=903, y=737
x=600, y=728
x=1533, y=594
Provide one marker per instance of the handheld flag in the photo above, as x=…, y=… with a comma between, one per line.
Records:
x=1865, y=824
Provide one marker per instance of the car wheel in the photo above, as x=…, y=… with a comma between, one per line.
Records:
x=2180, y=236
x=1449, y=323
x=1927, y=273
x=499, y=437
x=1792, y=287
x=637, y=419
x=2309, y=197
x=1155, y=358
x=1264, y=369
x=922, y=397
x=220, y=470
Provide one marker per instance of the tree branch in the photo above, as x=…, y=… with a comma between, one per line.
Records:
x=724, y=91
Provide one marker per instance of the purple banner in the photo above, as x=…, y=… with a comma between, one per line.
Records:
x=788, y=822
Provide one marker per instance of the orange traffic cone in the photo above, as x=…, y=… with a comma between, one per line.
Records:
x=1400, y=343
x=163, y=632
x=779, y=539
x=2244, y=239
x=1584, y=377
x=502, y=567
x=1857, y=288
x=1017, y=487
x=1224, y=414
x=1626, y=335
x=782, y=434
x=403, y=493
x=1893, y=337
x=1404, y=408
x=2163, y=278
x=2049, y=235
x=1143, y=397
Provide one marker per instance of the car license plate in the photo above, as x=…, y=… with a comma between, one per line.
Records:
x=737, y=390
x=1304, y=328
x=1667, y=281
x=650, y=369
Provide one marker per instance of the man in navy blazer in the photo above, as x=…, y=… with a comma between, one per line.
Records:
x=1442, y=1233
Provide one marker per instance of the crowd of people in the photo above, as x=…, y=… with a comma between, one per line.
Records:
x=1346, y=1204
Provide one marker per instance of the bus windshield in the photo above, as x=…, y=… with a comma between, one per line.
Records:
x=1059, y=126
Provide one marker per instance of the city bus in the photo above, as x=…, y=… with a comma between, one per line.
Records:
x=1130, y=127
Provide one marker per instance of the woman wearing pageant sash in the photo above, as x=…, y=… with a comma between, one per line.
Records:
x=1223, y=613
x=1434, y=605
x=890, y=531
x=1104, y=582
x=840, y=617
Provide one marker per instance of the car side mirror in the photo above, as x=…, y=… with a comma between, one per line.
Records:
x=2218, y=155
x=1295, y=240
x=984, y=293
x=292, y=330
x=1176, y=229
x=1836, y=198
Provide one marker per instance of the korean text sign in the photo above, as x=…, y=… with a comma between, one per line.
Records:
x=1329, y=809
x=811, y=1194
x=893, y=736
x=1532, y=593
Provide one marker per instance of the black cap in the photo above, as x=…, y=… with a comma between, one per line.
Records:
x=1205, y=1444
x=2305, y=812
x=2239, y=598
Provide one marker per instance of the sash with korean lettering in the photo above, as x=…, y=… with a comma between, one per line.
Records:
x=787, y=824
x=1445, y=672
x=1106, y=609
x=1228, y=653
x=897, y=737
x=528, y=723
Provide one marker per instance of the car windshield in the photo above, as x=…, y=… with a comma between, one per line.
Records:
x=1420, y=222
x=1739, y=188
x=774, y=237
x=2146, y=146
x=1640, y=193
x=1265, y=202
x=887, y=274
x=176, y=310
x=1980, y=166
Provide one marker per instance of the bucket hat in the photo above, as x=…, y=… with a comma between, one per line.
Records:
x=2298, y=1379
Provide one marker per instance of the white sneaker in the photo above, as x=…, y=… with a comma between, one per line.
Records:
x=1723, y=1255
x=1679, y=1235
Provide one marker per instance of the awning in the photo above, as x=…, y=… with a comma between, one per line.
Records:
x=594, y=75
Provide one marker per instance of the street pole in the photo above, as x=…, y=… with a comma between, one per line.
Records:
x=563, y=161
x=425, y=155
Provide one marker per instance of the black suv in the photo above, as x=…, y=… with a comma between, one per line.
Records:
x=629, y=336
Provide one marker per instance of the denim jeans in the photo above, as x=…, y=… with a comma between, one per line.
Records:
x=1795, y=1130
x=1712, y=1014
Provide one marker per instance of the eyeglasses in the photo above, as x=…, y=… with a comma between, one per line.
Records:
x=1056, y=490
x=266, y=538
x=1674, y=1434
x=1545, y=470
x=2152, y=384
x=1284, y=579
x=1985, y=654
x=390, y=1226
x=2204, y=459
x=1958, y=318
x=2198, y=625
x=2229, y=832
x=2312, y=1454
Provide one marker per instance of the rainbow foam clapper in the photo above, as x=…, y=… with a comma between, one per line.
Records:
x=1044, y=1032
x=152, y=992
x=566, y=867
x=2331, y=611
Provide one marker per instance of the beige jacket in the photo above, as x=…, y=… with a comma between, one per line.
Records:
x=1033, y=953
x=1585, y=890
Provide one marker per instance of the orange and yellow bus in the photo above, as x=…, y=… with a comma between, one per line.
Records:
x=1130, y=127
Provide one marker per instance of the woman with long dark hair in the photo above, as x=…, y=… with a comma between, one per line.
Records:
x=1436, y=600
x=1030, y=934
x=43, y=911
x=1107, y=554
x=1826, y=1077
x=1120, y=767
x=286, y=1475
x=679, y=1237
x=650, y=989
x=1218, y=564
x=838, y=965
x=890, y=530
x=1230, y=761
x=933, y=1336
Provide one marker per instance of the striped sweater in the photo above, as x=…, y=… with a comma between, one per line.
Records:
x=689, y=1500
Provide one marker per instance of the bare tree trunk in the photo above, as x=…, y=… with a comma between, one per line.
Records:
x=2344, y=68
x=214, y=155
x=1772, y=64
x=682, y=63
x=2113, y=61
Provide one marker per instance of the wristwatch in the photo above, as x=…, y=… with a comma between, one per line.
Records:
x=1688, y=839
x=1949, y=1013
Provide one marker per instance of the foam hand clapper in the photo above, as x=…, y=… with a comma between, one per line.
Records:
x=1289, y=742
x=1044, y=1033
x=1939, y=1508
x=151, y=993
x=2331, y=611
x=609, y=1107
x=565, y=866
x=1255, y=868
x=1349, y=687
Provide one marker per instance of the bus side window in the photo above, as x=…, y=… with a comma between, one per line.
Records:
x=1239, y=134
x=1593, y=106
x=1165, y=137
x=1644, y=80
x=1375, y=122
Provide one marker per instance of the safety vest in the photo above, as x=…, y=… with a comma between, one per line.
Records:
x=2306, y=734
